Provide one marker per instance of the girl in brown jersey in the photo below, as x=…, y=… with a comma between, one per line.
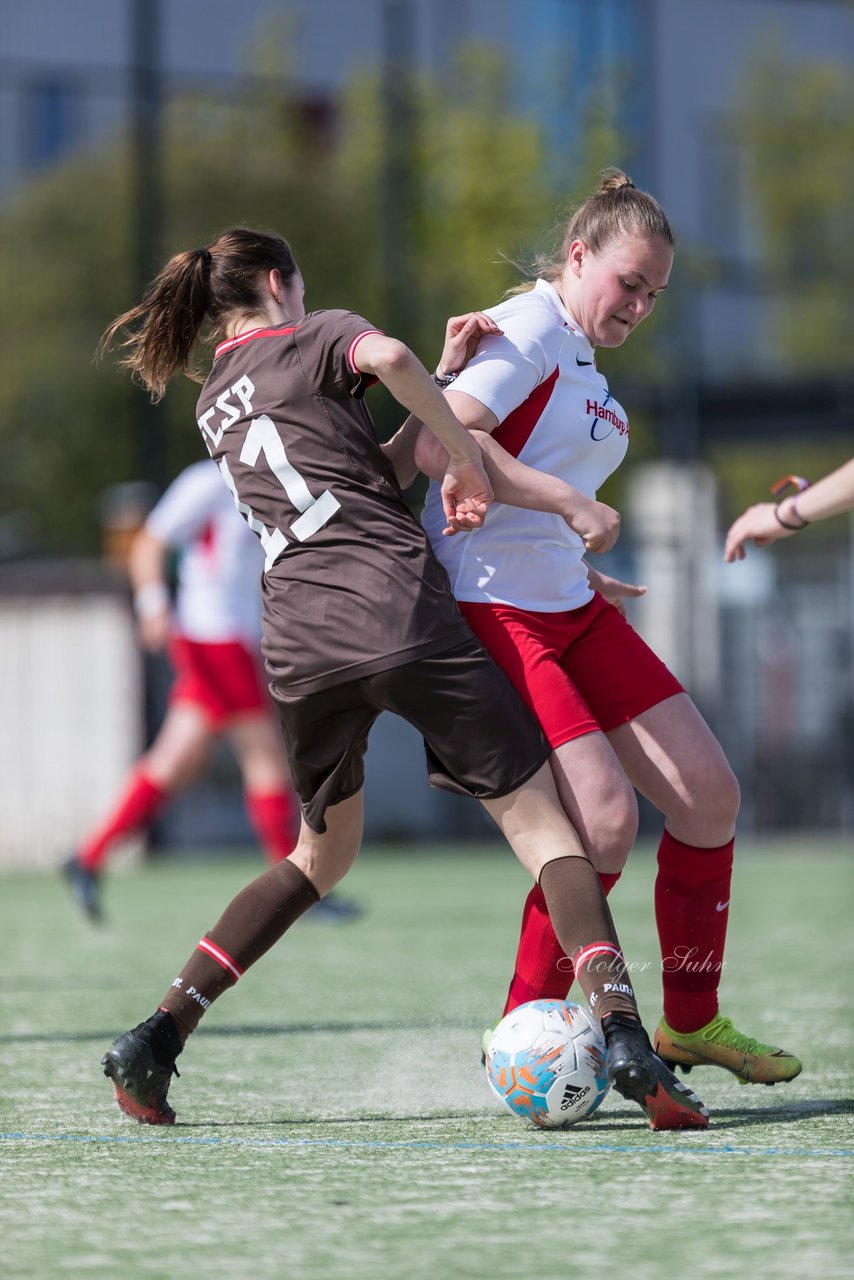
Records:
x=358, y=618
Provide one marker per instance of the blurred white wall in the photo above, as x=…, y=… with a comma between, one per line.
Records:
x=672, y=516
x=71, y=719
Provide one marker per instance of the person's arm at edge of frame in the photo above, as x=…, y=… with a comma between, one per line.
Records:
x=763, y=523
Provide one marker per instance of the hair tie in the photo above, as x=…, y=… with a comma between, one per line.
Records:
x=615, y=184
x=206, y=255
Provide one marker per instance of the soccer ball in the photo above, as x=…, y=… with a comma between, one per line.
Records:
x=546, y=1062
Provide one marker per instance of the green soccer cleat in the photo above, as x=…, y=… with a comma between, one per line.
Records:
x=484, y=1041
x=718, y=1044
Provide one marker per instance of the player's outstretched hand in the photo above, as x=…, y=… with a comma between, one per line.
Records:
x=462, y=334
x=466, y=497
x=614, y=591
x=597, y=525
x=757, y=524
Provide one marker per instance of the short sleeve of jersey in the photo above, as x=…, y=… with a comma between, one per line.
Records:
x=508, y=366
x=326, y=342
x=186, y=507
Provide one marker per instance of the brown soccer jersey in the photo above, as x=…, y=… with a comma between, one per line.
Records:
x=350, y=586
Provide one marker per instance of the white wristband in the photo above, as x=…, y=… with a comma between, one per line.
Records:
x=150, y=599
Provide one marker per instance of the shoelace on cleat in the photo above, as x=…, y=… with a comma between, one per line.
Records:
x=721, y=1031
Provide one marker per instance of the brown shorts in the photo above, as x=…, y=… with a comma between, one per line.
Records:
x=479, y=736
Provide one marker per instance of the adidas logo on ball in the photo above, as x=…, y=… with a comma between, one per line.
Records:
x=571, y=1094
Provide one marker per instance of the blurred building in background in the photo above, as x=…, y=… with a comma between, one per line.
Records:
x=668, y=74
x=737, y=114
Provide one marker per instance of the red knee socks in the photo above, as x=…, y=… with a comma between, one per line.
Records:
x=134, y=810
x=691, y=908
x=275, y=817
x=543, y=971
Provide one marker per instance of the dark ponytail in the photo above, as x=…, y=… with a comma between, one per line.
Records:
x=210, y=285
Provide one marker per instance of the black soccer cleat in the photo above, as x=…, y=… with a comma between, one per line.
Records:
x=637, y=1073
x=84, y=885
x=141, y=1064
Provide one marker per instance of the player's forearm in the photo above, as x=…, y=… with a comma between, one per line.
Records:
x=400, y=451
x=146, y=561
x=513, y=483
x=146, y=558
x=411, y=385
x=829, y=496
x=519, y=485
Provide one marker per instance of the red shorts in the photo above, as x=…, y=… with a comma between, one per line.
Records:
x=223, y=679
x=579, y=671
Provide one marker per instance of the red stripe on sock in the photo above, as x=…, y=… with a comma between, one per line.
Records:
x=221, y=957
x=543, y=971
x=597, y=949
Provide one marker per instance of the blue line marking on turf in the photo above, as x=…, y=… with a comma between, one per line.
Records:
x=587, y=1148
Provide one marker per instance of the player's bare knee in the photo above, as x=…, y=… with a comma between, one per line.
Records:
x=610, y=829
x=720, y=798
x=707, y=809
x=325, y=859
x=611, y=855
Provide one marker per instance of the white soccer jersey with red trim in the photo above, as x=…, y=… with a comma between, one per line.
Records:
x=220, y=559
x=556, y=415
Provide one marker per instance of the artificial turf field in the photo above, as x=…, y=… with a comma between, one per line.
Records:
x=333, y=1118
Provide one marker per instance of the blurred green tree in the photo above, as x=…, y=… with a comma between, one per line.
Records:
x=478, y=189
x=797, y=126
x=796, y=131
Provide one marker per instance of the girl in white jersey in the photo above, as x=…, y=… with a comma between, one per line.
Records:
x=213, y=636
x=615, y=717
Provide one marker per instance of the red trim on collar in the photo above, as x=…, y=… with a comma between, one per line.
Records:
x=242, y=338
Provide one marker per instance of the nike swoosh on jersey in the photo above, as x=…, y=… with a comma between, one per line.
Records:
x=722, y=906
x=581, y=362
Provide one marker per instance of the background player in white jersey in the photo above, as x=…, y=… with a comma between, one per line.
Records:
x=615, y=717
x=357, y=619
x=213, y=634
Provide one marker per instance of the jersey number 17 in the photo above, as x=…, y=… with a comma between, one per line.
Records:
x=262, y=437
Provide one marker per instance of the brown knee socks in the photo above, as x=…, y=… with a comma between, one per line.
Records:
x=582, y=922
x=249, y=926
